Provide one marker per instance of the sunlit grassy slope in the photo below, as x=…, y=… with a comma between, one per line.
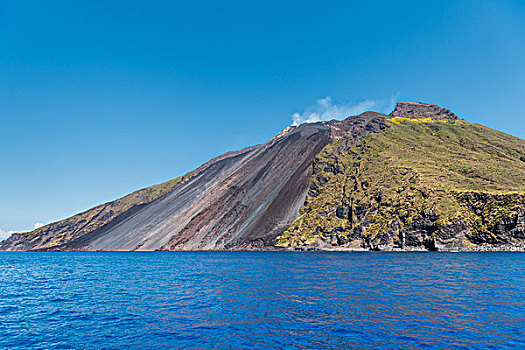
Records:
x=453, y=171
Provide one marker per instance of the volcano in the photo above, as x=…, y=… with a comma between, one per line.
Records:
x=418, y=179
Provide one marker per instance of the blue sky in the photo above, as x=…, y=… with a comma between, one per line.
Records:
x=100, y=99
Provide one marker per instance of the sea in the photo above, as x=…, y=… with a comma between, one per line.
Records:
x=262, y=300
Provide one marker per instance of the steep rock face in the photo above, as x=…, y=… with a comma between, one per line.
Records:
x=241, y=200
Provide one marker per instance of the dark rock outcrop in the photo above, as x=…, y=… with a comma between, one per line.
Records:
x=418, y=110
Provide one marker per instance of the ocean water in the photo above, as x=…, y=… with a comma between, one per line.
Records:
x=262, y=300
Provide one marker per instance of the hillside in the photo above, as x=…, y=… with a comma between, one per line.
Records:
x=418, y=179
x=241, y=200
x=423, y=183
x=58, y=234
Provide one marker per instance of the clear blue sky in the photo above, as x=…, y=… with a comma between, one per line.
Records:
x=100, y=99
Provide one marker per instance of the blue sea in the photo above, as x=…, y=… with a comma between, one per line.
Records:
x=262, y=300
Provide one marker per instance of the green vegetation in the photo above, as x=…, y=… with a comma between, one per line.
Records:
x=453, y=171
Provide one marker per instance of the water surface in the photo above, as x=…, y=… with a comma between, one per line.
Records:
x=262, y=300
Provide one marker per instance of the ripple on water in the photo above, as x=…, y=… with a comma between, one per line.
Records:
x=258, y=300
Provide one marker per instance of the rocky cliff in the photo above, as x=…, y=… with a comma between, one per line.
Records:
x=418, y=179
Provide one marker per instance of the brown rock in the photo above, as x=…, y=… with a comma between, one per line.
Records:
x=418, y=110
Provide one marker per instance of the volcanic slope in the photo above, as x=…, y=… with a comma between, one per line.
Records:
x=241, y=200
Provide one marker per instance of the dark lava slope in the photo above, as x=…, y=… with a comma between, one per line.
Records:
x=241, y=200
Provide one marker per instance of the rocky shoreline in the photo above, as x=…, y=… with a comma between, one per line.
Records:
x=478, y=249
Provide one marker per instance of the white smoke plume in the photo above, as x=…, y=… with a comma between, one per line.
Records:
x=324, y=109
